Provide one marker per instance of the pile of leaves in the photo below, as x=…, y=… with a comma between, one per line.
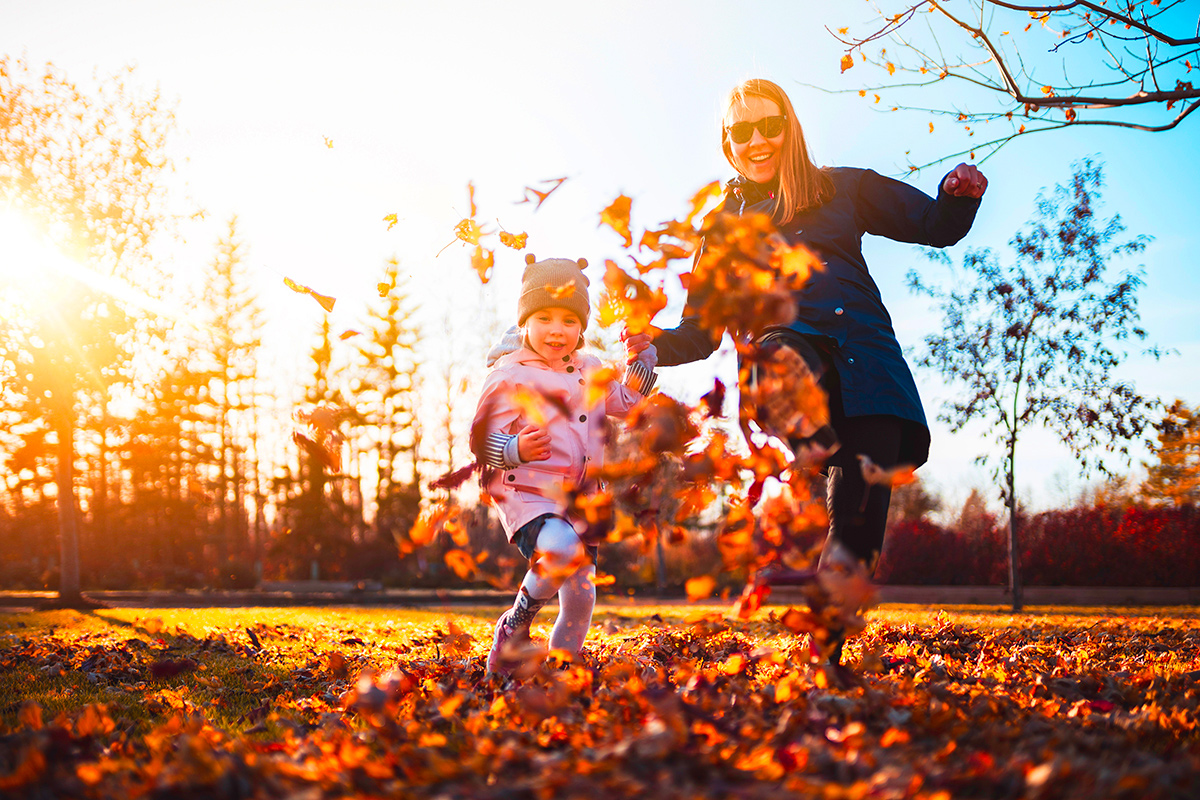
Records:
x=661, y=703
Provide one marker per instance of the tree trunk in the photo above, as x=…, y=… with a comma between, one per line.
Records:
x=662, y=565
x=68, y=523
x=1014, y=549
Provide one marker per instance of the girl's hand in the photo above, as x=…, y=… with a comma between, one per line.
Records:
x=635, y=343
x=965, y=181
x=533, y=444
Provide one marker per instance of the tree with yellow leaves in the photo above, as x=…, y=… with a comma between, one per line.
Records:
x=1175, y=478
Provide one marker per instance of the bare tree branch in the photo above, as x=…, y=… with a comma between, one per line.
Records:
x=986, y=53
x=1103, y=11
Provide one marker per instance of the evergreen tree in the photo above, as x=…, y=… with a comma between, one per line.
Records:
x=1175, y=475
x=319, y=518
x=229, y=365
x=386, y=392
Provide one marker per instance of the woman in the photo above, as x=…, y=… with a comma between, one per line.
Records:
x=842, y=332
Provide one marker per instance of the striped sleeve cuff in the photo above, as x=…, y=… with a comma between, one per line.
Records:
x=500, y=451
x=640, y=378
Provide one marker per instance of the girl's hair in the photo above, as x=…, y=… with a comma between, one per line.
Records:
x=802, y=184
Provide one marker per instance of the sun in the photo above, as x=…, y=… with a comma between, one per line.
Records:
x=26, y=258
x=34, y=273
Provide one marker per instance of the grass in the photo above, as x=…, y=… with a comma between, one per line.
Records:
x=272, y=697
x=232, y=675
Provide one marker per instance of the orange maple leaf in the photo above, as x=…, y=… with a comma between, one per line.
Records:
x=514, y=240
x=616, y=216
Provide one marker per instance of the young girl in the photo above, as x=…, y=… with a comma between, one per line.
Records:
x=540, y=431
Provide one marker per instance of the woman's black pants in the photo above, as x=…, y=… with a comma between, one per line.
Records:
x=857, y=510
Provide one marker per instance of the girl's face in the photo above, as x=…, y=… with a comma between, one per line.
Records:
x=757, y=158
x=553, y=332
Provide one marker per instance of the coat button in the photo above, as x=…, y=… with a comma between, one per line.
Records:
x=566, y=358
x=581, y=381
x=512, y=477
x=851, y=360
x=839, y=311
x=583, y=417
x=570, y=369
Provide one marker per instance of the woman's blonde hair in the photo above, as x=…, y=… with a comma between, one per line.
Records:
x=802, y=184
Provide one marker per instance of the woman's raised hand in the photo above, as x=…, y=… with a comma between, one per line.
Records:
x=965, y=181
x=533, y=444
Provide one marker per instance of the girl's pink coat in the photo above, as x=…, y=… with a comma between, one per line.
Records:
x=523, y=382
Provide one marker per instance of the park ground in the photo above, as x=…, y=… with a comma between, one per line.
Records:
x=666, y=701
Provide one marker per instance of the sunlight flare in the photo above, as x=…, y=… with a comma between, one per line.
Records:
x=31, y=265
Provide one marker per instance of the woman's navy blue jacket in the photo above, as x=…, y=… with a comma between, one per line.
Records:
x=841, y=307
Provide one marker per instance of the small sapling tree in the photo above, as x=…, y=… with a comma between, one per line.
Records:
x=1038, y=340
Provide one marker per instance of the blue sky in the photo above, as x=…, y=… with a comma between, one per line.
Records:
x=620, y=97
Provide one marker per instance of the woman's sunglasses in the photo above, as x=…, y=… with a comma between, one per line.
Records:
x=769, y=127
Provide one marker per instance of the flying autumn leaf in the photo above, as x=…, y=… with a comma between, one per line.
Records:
x=616, y=216
x=700, y=587
x=482, y=261
x=325, y=301
x=430, y=523
x=876, y=475
x=540, y=195
x=391, y=220
x=461, y=563
x=561, y=292
x=514, y=240
x=598, y=384
x=348, y=334
x=847, y=62
x=468, y=231
x=709, y=194
x=383, y=289
x=628, y=299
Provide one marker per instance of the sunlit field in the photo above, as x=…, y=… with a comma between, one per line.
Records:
x=666, y=701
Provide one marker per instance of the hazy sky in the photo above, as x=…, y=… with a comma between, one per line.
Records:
x=418, y=99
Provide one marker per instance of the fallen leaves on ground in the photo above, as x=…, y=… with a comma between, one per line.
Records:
x=683, y=705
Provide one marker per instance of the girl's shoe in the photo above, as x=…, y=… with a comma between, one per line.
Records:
x=505, y=636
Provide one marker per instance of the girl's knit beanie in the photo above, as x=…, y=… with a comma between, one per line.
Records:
x=553, y=283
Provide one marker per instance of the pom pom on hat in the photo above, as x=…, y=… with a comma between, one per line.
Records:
x=553, y=283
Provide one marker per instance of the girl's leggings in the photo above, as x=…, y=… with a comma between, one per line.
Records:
x=562, y=563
